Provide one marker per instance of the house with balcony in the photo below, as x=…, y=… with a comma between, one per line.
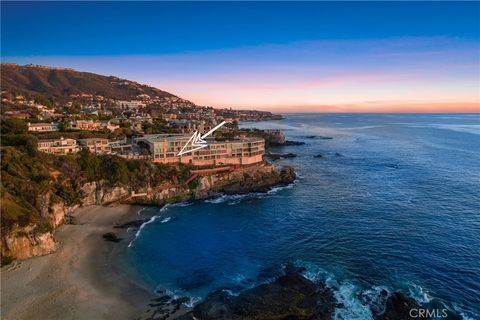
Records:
x=164, y=148
x=61, y=146
x=42, y=127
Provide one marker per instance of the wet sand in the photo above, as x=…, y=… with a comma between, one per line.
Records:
x=79, y=281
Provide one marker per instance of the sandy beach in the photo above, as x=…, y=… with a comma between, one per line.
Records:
x=79, y=281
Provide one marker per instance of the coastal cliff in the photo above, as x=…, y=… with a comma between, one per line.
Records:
x=21, y=242
x=258, y=178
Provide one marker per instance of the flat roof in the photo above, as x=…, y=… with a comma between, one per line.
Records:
x=180, y=137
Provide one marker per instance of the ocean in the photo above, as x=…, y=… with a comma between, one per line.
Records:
x=392, y=203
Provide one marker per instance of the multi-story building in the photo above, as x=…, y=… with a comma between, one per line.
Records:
x=58, y=146
x=164, y=148
x=89, y=125
x=96, y=145
x=42, y=127
x=108, y=124
x=120, y=146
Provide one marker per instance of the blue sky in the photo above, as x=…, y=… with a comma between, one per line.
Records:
x=277, y=55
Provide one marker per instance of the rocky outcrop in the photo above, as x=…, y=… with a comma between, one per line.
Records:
x=398, y=306
x=258, y=178
x=99, y=192
x=29, y=241
x=291, y=296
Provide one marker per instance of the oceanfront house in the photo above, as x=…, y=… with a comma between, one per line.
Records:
x=120, y=146
x=92, y=125
x=96, y=145
x=88, y=125
x=42, y=127
x=164, y=148
x=58, y=146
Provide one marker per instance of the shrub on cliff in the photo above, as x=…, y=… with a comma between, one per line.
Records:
x=28, y=176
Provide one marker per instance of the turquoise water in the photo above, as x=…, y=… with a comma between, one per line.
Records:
x=392, y=203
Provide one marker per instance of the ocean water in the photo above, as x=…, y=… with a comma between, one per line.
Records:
x=394, y=203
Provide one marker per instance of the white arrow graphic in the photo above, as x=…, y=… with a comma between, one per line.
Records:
x=197, y=140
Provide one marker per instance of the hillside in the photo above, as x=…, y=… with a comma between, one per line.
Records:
x=60, y=83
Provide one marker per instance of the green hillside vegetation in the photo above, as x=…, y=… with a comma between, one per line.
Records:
x=27, y=175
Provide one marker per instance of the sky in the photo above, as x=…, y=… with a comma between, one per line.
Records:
x=277, y=56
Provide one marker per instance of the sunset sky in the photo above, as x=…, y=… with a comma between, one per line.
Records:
x=309, y=56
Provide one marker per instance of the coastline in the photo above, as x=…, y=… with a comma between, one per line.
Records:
x=79, y=281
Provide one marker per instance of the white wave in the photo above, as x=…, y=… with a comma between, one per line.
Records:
x=232, y=199
x=165, y=207
x=276, y=189
x=418, y=293
x=192, y=302
x=347, y=294
x=182, y=204
x=314, y=273
x=220, y=199
x=178, y=294
x=172, y=205
x=152, y=219
x=165, y=220
x=352, y=308
x=230, y=293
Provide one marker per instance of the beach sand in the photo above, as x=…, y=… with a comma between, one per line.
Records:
x=79, y=281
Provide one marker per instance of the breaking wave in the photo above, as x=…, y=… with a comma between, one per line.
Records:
x=137, y=234
x=232, y=199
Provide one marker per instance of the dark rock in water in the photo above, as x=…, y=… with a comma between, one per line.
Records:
x=318, y=156
x=293, y=143
x=398, y=307
x=286, y=143
x=276, y=156
x=131, y=224
x=269, y=273
x=110, y=236
x=163, y=299
x=392, y=166
x=318, y=137
x=290, y=296
x=194, y=280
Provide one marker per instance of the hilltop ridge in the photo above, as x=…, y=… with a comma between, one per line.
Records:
x=60, y=83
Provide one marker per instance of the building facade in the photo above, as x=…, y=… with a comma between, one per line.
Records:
x=96, y=145
x=42, y=127
x=60, y=146
x=88, y=125
x=164, y=148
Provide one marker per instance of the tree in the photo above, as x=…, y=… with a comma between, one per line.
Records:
x=90, y=164
x=14, y=126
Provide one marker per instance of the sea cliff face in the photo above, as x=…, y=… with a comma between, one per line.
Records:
x=250, y=179
x=36, y=240
x=25, y=242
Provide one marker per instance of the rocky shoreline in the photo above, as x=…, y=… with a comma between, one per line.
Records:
x=30, y=241
x=293, y=296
